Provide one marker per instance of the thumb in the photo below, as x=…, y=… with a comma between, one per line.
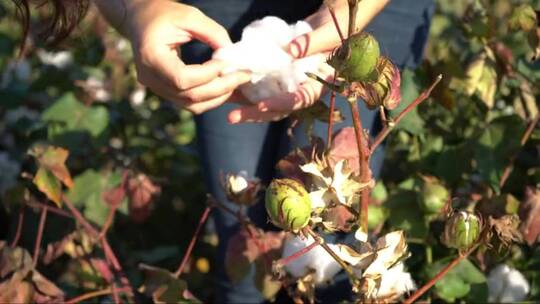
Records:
x=209, y=31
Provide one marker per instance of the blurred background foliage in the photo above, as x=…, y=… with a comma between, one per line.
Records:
x=82, y=95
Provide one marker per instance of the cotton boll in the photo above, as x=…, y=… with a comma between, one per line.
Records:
x=395, y=281
x=506, y=285
x=261, y=51
x=317, y=259
x=270, y=29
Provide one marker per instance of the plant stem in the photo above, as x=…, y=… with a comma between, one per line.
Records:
x=94, y=294
x=50, y=209
x=39, y=236
x=388, y=127
x=325, y=246
x=363, y=158
x=331, y=116
x=203, y=219
x=439, y=275
x=524, y=139
x=108, y=221
x=353, y=9
x=299, y=253
x=334, y=19
x=20, y=223
x=107, y=250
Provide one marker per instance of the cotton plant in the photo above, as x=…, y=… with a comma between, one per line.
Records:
x=326, y=187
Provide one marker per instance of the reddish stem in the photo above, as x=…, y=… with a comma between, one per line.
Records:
x=331, y=117
x=95, y=294
x=434, y=280
x=39, y=236
x=115, y=295
x=353, y=9
x=524, y=139
x=299, y=253
x=108, y=221
x=109, y=253
x=20, y=223
x=388, y=127
x=331, y=252
x=363, y=152
x=187, y=255
x=336, y=23
x=50, y=209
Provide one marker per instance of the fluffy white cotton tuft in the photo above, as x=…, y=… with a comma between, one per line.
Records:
x=507, y=285
x=261, y=52
x=316, y=259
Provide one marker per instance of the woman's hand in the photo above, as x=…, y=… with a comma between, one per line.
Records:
x=156, y=29
x=323, y=39
x=283, y=105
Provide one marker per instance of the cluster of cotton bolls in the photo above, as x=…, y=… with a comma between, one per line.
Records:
x=261, y=51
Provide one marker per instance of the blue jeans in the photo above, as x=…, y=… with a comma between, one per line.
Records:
x=401, y=30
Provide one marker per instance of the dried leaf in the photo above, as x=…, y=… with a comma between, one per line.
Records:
x=344, y=148
x=248, y=246
x=163, y=287
x=141, y=190
x=338, y=217
x=47, y=183
x=530, y=216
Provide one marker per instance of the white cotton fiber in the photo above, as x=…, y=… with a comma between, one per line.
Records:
x=261, y=52
x=316, y=259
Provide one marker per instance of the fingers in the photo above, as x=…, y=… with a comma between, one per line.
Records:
x=278, y=107
x=219, y=86
x=208, y=31
x=168, y=66
x=254, y=114
x=202, y=98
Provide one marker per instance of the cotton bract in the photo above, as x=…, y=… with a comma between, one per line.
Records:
x=261, y=52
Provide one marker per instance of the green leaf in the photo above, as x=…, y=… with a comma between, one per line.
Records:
x=453, y=162
x=405, y=214
x=49, y=185
x=87, y=193
x=412, y=122
x=76, y=116
x=481, y=77
x=497, y=143
x=523, y=18
x=457, y=282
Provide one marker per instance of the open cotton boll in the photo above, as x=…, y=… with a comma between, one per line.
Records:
x=395, y=281
x=506, y=285
x=316, y=259
x=274, y=30
x=261, y=52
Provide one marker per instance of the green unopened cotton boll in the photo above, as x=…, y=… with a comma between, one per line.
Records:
x=461, y=230
x=356, y=59
x=288, y=204
x=433, y=197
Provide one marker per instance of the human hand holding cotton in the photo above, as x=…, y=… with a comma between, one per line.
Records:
x=261, y=51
